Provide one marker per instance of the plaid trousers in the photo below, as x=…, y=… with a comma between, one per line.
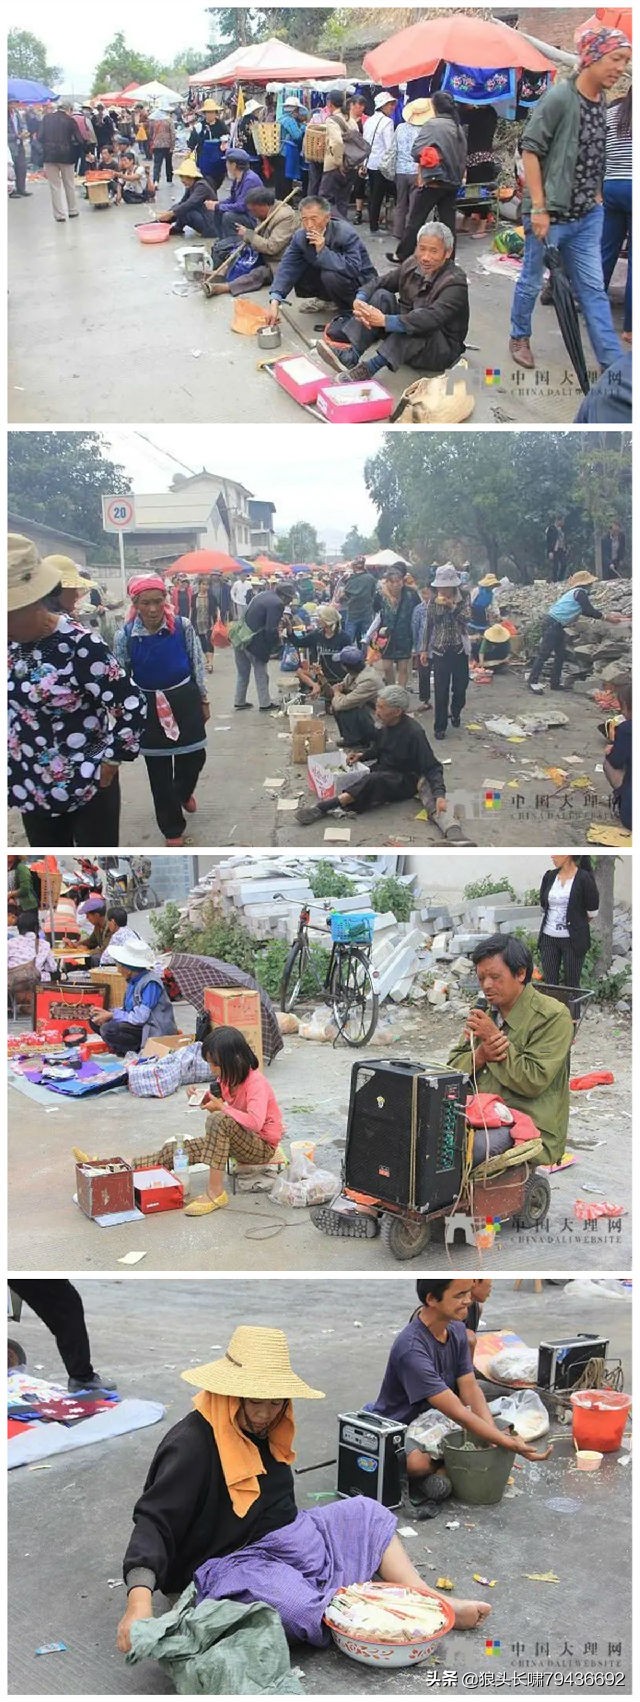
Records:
x=223, y=1138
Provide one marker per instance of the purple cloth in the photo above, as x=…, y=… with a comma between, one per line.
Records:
x=298, y=1569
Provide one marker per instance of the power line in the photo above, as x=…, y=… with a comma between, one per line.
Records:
x=167, y=452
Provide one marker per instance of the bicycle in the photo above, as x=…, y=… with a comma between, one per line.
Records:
x=131, y=886
x=349, y=980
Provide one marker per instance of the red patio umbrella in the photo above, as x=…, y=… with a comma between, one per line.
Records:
x=615, y=18
x=458, y=39
x=196, y=562
x=264, y=567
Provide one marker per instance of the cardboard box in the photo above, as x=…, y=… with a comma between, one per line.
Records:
x=237, y=1007
x=299, y=376
x=309, y=739
x=164, y=1043
x=355, y=404
x=324, y=771
x=105, y=1186
x=156, y=1189
x=115, y=983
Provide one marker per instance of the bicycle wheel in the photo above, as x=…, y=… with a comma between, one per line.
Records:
x=145, y=898
x=354, y=999
x=292, y=975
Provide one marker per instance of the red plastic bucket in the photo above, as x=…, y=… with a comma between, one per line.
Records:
x=599, y=1418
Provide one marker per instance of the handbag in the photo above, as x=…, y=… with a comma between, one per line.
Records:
x=290, y=660
x=240, y=634
x=219, y=635
x=388, y=163
x=245, y=262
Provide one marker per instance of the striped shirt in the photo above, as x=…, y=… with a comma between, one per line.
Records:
x=618, y=147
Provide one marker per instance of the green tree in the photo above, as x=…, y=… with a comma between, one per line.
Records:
x=121, y=65
x=356, y=544
x=604, y=485
x=302, y=26
x=236, y=26
x=27, y=57
x=58, y=477
x=301, y=544
x=186, y=64
x=483, y=490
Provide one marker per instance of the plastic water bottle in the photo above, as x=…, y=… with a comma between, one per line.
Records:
x=181, y=1165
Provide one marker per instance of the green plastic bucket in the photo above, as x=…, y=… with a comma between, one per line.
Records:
x=478, y=1472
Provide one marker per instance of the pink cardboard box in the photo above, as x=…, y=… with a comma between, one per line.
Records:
x=301, y=378
x=354, y=404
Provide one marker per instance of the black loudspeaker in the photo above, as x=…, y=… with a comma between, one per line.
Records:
x=561, y=1363
x=370, y=1457
x=406, y=1133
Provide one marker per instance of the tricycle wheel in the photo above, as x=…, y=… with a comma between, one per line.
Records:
x=537, y=1199
x=404, y=1236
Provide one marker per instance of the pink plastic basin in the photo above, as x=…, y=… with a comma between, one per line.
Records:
x=153, y=232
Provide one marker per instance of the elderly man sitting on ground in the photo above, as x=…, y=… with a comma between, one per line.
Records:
x=519, y=1048
x=417, y=315
x=278, y=221
x=325, y=261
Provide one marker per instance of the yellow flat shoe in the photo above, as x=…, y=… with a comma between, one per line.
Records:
x=203, y=1205
x=81, y=1157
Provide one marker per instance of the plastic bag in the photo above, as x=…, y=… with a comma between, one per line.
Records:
x=305, y=1185
x=525, y=1411
x=155, y=1078
x=220, y=635
x=428, y=1432
x=193, y=1069
x=515, y=1365
x=289, y=660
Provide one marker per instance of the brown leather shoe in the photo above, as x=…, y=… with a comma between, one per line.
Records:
x=521, y=351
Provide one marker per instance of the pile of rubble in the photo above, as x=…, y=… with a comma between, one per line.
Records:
x=598, y=652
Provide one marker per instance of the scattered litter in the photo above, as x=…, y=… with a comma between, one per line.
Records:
x=337, y=835
x=406, y=1531
x=39, y=1368
x=52, y=1649
x=595, y=1078
x=624, y=1460
x=273, y=785
x=542, y=1577
x=222, y=729
x=115, y=1583
x=489, y=1583
x=131, y=1258
x=288, y=804
x=40, y=1466
x=356, y=1324
x=196, y=353
x=453, y=1524
x=320, y=1495
x=601, y=1208
x=445, y=1584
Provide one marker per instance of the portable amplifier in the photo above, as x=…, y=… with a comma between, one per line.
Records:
x=370, y=1457
x=406, y=1133
x=561, y=1363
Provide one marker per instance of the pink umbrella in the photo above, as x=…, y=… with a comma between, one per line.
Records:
x=457, y=38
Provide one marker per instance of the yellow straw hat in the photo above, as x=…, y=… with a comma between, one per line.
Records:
x=498, y=634
x=188, y=168
x=489, y=579
x=417, y=112
x=583, y=578
x=211, y=105
x=67, y=570
x=256, y=1366
x=28, y=578
x=327, y=615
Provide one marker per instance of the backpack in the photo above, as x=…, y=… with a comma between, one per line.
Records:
x=240, y=634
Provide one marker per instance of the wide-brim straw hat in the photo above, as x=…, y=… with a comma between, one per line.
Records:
x=583, y=578
x=188, y=168
x=28, y=578
x=417, y=112
x=489, y=579
x=327, y=615
x=133, y=954
x=211, y=105
x=256, y=1367
x=498, y=634
x=67, y=570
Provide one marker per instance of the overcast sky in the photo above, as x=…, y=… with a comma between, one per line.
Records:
x=76, y=36
x=316, y=475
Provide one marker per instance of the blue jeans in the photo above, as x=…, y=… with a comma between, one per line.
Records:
x=579, y=242
x=617, y=229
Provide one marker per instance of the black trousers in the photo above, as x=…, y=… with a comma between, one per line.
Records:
x=337, y=187
x=172, y=780
x=356, y=726
x=442, y=196
x=59, y=1306
x=119, y=1036
x=424, y=682
x=19, y=158
x=95, y=823
x=450, y=679
x=379, y=186
x=561, y=963
x=160, y=154
x=327, y=286
x=431, y=351
x=553, y=642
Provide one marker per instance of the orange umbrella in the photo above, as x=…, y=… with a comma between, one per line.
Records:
x=265, y=567
x=615, y=18
x=459, y=39
x=196, y=562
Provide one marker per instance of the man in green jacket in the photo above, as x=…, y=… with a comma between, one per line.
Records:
x=564, y=153
x=519, y=1048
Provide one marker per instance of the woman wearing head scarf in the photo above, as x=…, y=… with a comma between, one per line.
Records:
x=218, y=1506
x=74, y=715
x=446, y=641
x=162, y=653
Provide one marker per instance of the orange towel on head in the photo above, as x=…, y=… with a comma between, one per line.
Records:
x=239, y=1457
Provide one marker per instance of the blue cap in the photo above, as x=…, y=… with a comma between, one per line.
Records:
x=351, y=656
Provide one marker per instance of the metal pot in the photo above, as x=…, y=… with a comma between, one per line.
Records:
x=269, y=337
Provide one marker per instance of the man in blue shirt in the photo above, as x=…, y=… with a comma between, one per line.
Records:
x=146, y=1010
x=430, y=1369
x=325, y=261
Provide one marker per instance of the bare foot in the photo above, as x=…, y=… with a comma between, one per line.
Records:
x=468, y=1614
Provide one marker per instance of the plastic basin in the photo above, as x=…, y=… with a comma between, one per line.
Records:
x=374, y=1651
x=587, y=1460
x=153, y=232
x=478, y=1472
x=599, y=1418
